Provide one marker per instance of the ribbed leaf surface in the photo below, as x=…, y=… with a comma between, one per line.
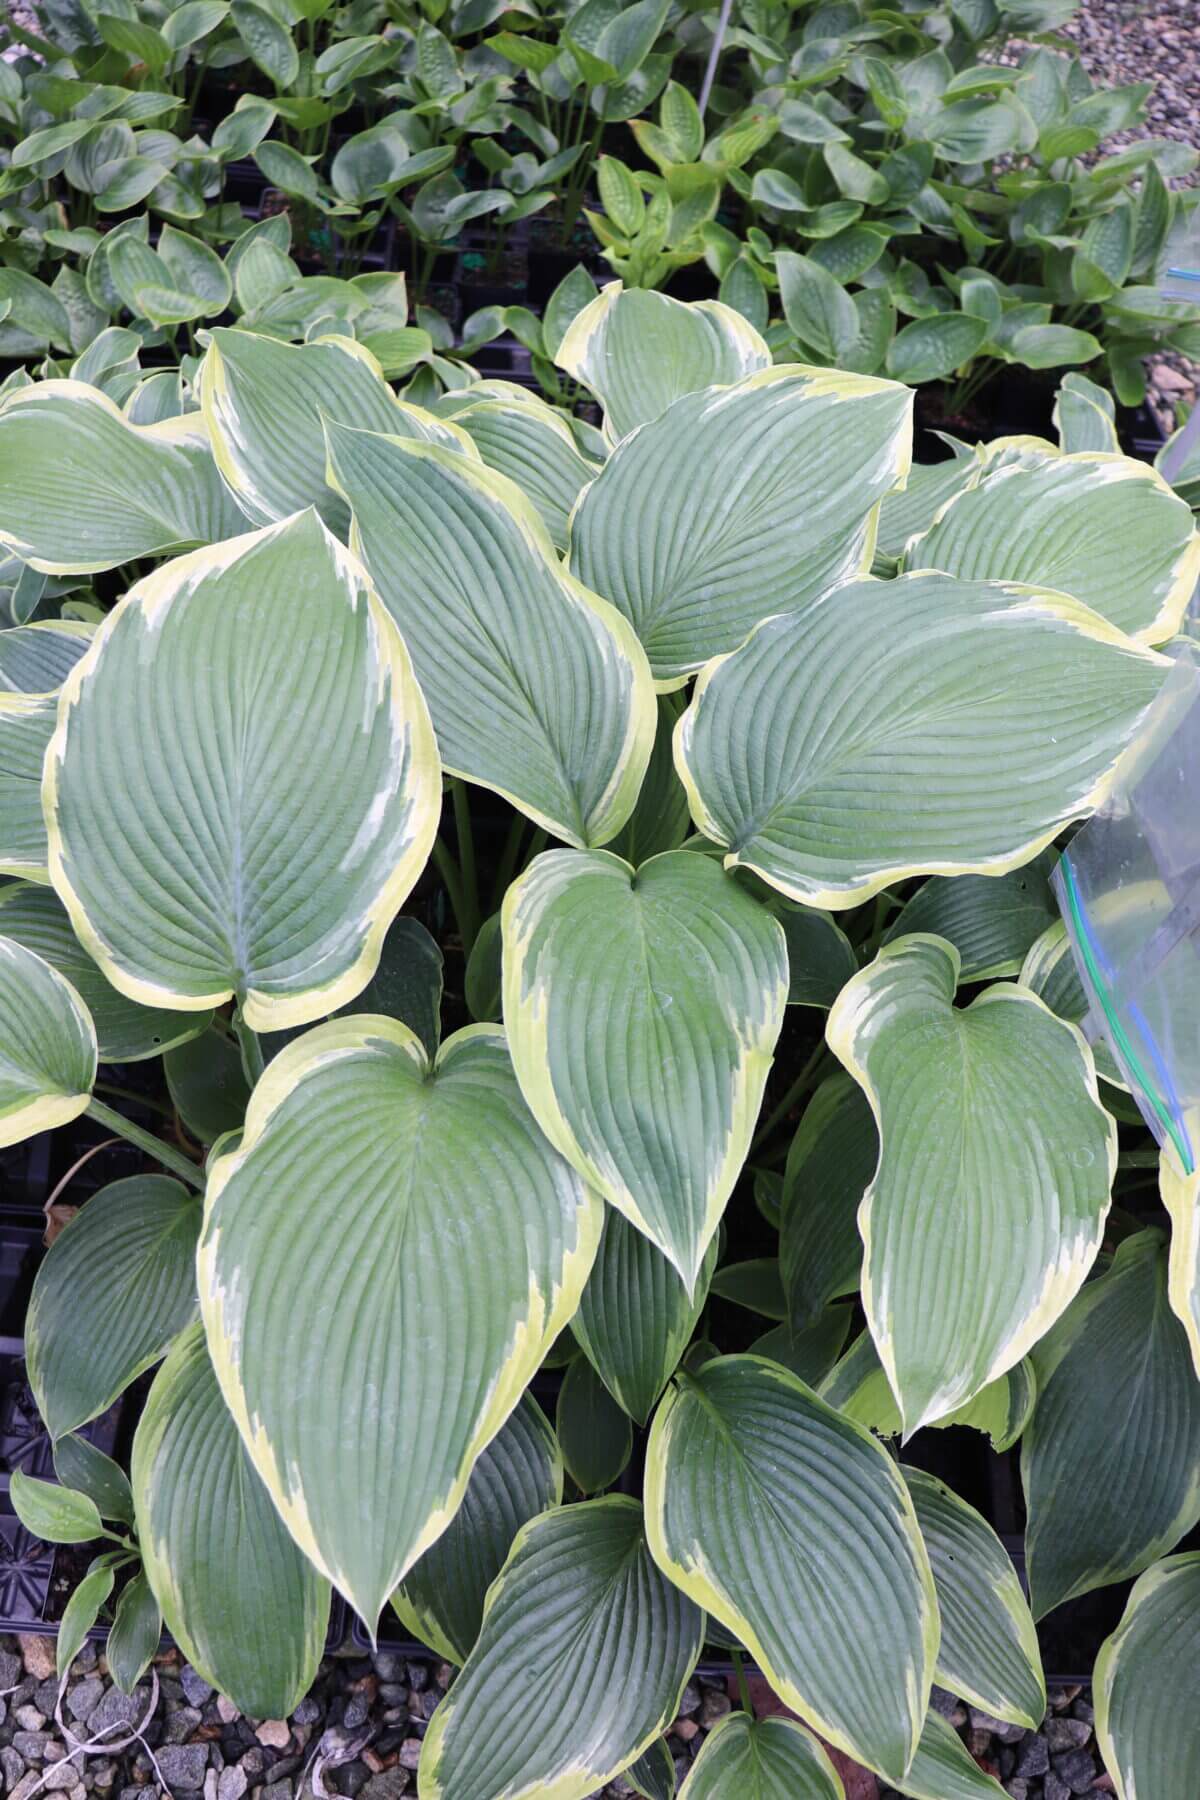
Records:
x=531, y=444
x=537, y=688
x=36, y=659
x=859, y=1387
x=125, y=1031
x=581, y=1663
x=642, y=1011
x=1001, y=1221
x=1111, y=1459
x=1145, y=1687
x=518, y=1476
x=1104, y=528
x=47, y=1046
x=812, y=1351
x=635, y=1319
x=638, y=350
x=989, y=1651
x=660, y=821
x=117, y=1286
x=912, y=508
x=829, y=1168
x=992, y=920
x=944, y=1769
x=265, y=404
x=924, y=725
x=426, y=1205
x=246, y=1609
x=761, y=1759
x=1049, y=971
x=26, y=727
x=821, y=958
x=193, y=862
x=593, y=1431
x=793, y=1528
x=82, y=489
x=738, y=503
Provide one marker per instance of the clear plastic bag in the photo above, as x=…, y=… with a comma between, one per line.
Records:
x=1181, y=279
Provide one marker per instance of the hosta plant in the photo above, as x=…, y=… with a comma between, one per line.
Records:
x=598, y=931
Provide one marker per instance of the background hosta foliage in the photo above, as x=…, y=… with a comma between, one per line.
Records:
x=587, y=1075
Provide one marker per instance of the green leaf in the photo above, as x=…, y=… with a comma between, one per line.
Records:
x=1007, y=1241
x=287, y=170
x=856, y=179
x=792, y=1527
x=35, y=308
x=755, y=1284
x=47, y=1046
x=635, y=1318
x=532, y=445
x=26, y=727
x=660, y=819
x=1143, y=1683
x=245, y=1607
x=558, y=1700
x=821, y=958
x=267, y=42
x=82, y=490
x=80, y=1465
x=1107, y=530
x=423, y=1156
x=134, y=39
x=196, y=269
x=561, y=724
x=810, y=1352
x=207, y=1084
x=930, y=349
x=638, y=351
x=682, y=121
x=818, y=802
x=816, y=305
x=766, y=526
x=595, y=1433
x=57, y=1515
x=977, y=130
x=944, y=1769
x=1084, y=416
x=290, y=921
x=125, y=1032
x=79, y=1615
x=989, y=1650
x=1053, y=346
x=136, y=1630
x=653, y=1774
x=36, y=659
x=744, y=1758
x=116, y=1287
x=642, y=1011
x=573, y=293
x=265, y=405
x=1115, y=1368
x=992, y=920
x=518, y=1476
x=620, y=195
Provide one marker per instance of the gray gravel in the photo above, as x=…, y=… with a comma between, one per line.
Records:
x=1059, y=1762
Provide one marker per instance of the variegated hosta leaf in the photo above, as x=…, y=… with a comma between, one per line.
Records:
x=635, y=1319
x=829, y=1166
x=538, y=689
x=992, y=920
x=821, y=958
x=660, y=821
x=989, y=1651
x=653, y=1773
x=265, y=404
x=1105, y=529
x=192, y=861
x=533, y=445
x=36, y=659
x=117, y=1286
x=1002, y=1224
x=518, y=1476
x=923, y=725
x=761, y=1759
x=47, y=1046
x=858, y=1387
x=642, y=1011
x=1111, y=1459
x=810, y=1352
x=594, y=1433
x=1049, y=971
x=26, y=727
x=740, y=502
x=792, y=1526
x=638, y=350
x=581, y=1663
x=363, y=1171
x=245, y=1607
x=81, y=489
x=944, y=1769
x=1181, y=1197
x=1145, y=1686
x=912, y=509
x=1084, y=416
x=125, y=1032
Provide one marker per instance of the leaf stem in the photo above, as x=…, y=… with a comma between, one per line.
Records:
x=800, y=1086
x=253, y=1063
x=468, y=926
x=153, y=1147
x=739, y=1669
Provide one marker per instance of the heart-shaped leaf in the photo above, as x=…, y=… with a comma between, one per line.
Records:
x=47, y=1046
x=992, y=920
x=1143, y=1683
x=744, y=1758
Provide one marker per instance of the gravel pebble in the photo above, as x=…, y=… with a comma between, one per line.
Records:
x=183, y=1765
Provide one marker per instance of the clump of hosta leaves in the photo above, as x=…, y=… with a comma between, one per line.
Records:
x=723, y=738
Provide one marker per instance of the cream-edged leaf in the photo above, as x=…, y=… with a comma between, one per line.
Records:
x=858, y=1386
x=1049, y=971
x=912, y=509
x=580, y=1665
x=1002, y=1223
x=829, y=1166
x=36, y=659
x=793, y=1528
x=1110, y=1461
x=740, y=502
x=992, y=920
x=761, y=1759
x=245, y=1607
x=944, y=1769
x=47, y=1046
x=642, y=1010
x=26, y=726
x=638, y=350
x=518, y=1476
x=363, y=1172
x=660, y=821
x=920, y=726
x=989, y=1650
x=1145, y=1686
x=533, y=445
x=81, y=489
x=193, y=863
x=1104, y=528
x=537, y=689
